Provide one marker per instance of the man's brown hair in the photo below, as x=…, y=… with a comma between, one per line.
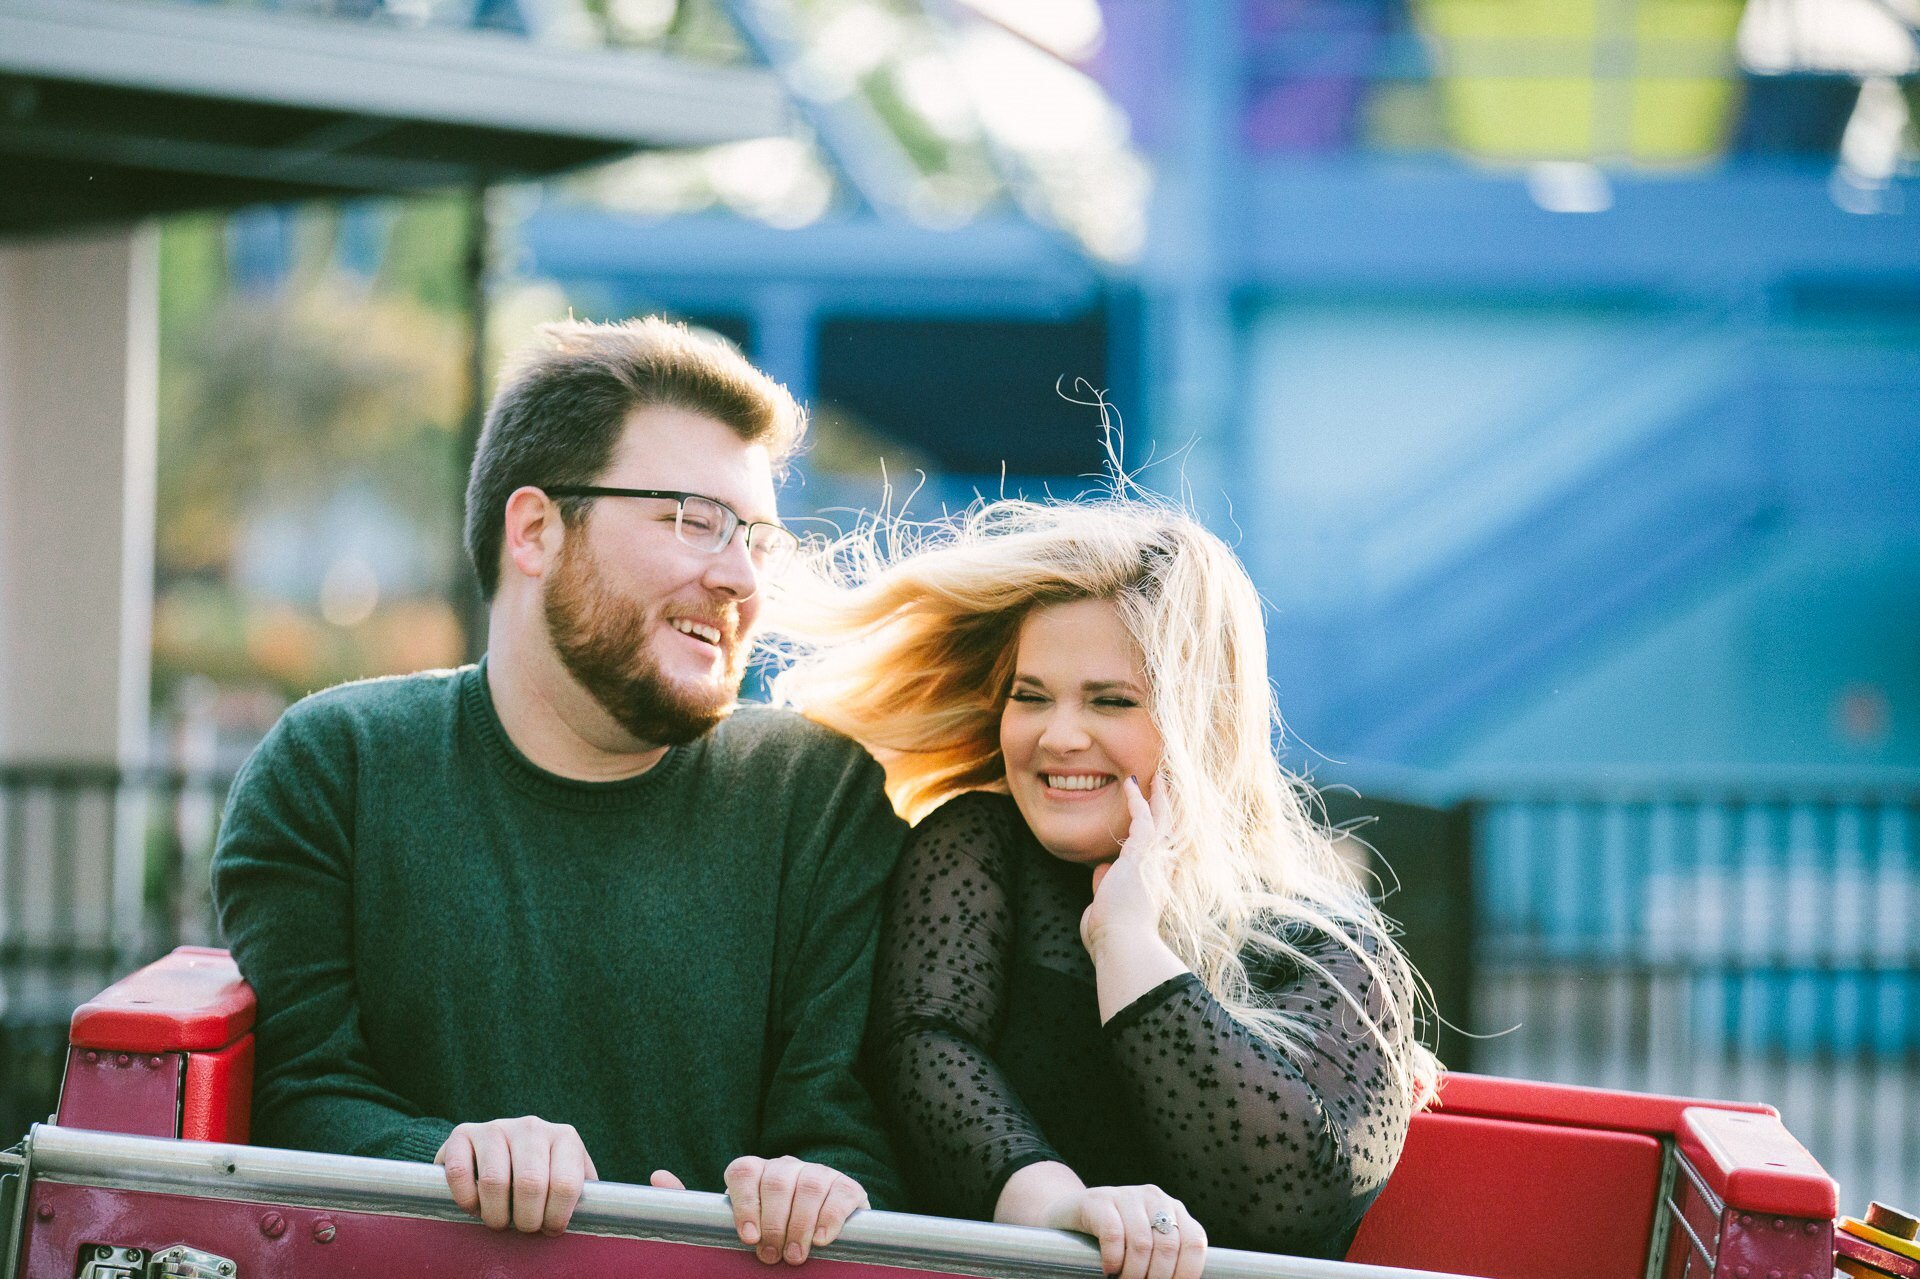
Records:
x=563, y=402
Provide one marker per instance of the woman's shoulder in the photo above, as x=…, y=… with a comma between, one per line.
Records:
x=1349, y=948
x=974, y=806
x=982, y=826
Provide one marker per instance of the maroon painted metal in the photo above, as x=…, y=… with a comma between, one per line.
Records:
x=1693, y=1241
x=308, y=1243
x=1759, y=1246
x=136, y=1093
x=1730, y=1241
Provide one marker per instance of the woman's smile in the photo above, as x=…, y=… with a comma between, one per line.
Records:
x=1076, y=724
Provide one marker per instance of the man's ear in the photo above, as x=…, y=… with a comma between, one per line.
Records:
x=534, y=532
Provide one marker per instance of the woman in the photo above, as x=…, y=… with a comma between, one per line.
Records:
x=1120, y=954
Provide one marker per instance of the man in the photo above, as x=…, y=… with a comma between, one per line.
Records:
x=571, y=884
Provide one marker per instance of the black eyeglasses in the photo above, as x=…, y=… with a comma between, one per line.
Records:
x=705, y=523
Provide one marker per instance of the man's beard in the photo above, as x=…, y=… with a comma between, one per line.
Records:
x=602, y=640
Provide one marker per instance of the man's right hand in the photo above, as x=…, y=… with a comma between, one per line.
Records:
x=525, y=1173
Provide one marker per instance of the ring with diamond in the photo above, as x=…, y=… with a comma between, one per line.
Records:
x=1162, y=1223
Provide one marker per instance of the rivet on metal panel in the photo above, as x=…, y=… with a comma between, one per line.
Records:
x=153, y=1063
x=1812, y=1226
x=1773, y=1274
x=92, y=1057
x=125, y=1059
x=323, y=1231
x=273, y=1225
x=1745, y=1220
x=1741, y=1271
x=1779, y=1223
x=44, y=1212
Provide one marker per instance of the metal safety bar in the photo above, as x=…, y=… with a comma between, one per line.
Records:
x=261, y=1175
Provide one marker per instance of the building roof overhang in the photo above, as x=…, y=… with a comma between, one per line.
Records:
x=111, y=110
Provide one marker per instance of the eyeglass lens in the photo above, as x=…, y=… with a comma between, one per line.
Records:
x=709, y=526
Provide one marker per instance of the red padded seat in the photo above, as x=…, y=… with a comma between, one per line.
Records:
x=1513, y=1200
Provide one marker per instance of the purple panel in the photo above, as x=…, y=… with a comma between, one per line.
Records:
x=136, y=1093
x=311, y=1243
x=1137, y=65
x=1309, y=63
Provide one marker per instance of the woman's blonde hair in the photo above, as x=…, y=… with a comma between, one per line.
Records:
x=907, y=638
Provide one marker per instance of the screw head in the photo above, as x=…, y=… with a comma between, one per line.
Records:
x=226, y=1267
x=323, y=1231
x=273, y=1225
x=44, y=1212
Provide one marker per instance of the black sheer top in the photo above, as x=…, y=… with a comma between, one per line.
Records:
x=991, y=1053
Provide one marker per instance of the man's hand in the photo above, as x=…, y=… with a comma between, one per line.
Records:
x=784, y=1208
x=525, y=1173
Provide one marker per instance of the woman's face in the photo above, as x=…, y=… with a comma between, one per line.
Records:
x=1075, y=727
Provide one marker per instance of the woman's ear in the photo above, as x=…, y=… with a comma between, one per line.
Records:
x=534, y=532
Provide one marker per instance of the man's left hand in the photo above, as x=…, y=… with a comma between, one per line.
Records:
x=784, y=1208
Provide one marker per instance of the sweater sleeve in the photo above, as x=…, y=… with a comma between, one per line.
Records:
x=939, y=1003
x=1272, y=1151
x=816, y=1106
x=283, y=889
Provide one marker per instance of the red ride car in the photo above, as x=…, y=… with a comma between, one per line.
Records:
x=146, y=1173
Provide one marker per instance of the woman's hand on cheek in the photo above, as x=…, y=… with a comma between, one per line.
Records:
x=1126, y=904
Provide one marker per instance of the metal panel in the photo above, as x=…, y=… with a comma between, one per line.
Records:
x=134, y=1179
x=123, y=1092
x=455, y=77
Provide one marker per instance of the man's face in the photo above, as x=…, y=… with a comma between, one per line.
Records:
x=631, y=610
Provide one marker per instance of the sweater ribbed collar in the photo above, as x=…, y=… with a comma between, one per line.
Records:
x=527, y=777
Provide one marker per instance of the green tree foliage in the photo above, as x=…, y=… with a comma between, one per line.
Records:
x=327, y=407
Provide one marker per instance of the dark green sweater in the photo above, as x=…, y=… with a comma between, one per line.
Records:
x=440, y=932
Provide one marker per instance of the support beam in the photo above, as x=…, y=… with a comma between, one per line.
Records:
x=78, y=365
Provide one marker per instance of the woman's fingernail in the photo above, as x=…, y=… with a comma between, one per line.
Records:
x=820, y=1236
x=750, y=1233
x=1133, y=779
x=768, y=1255
x=796, y=1254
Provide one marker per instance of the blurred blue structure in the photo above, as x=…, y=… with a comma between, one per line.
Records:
x=1479, y=454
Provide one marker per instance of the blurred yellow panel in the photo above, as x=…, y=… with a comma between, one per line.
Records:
x=1640, y=81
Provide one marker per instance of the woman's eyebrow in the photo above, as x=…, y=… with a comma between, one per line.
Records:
x=1107, y=685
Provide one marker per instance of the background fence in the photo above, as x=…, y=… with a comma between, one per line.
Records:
x=101, y=869
x=1742, y=939
x=1732, y=941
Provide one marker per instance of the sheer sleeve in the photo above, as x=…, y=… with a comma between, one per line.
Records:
x=940, y=989
x=1272, y=1153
